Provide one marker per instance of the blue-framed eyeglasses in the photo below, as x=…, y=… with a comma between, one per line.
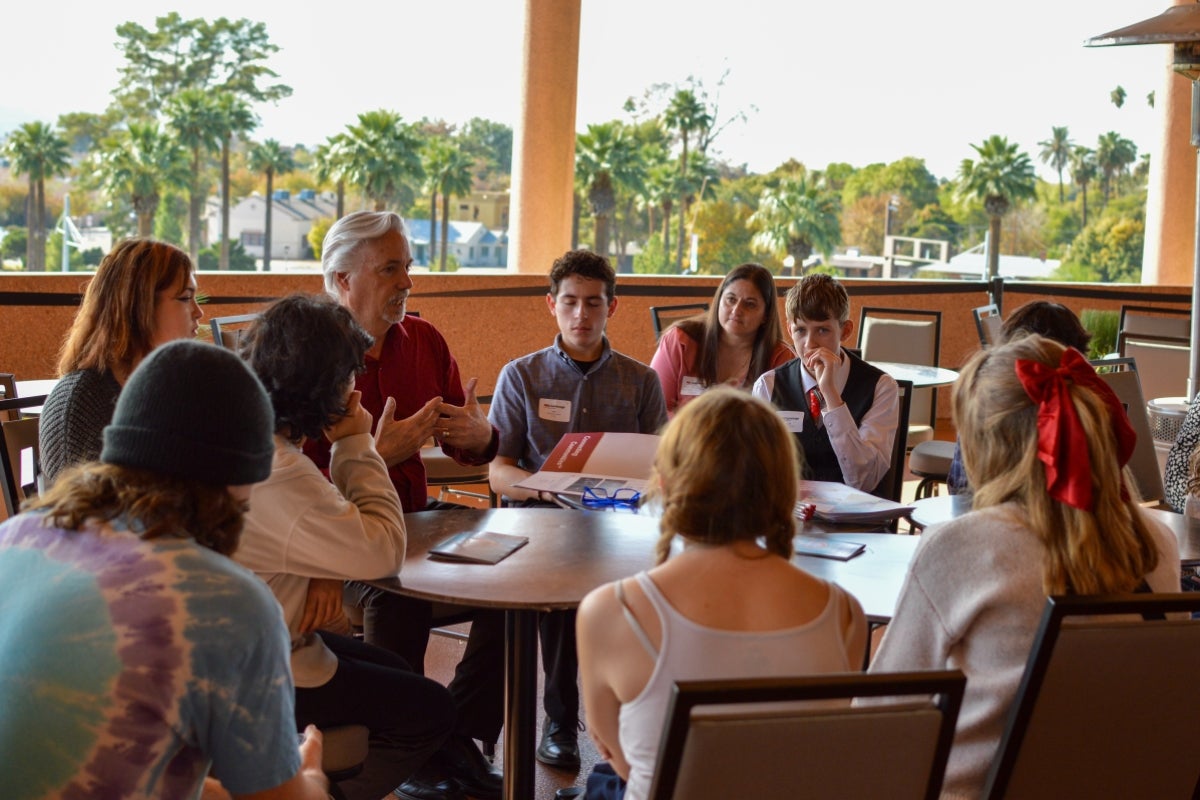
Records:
x=599, y=496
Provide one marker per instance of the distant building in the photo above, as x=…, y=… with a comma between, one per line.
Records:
x=489, y=208
x=292, y=216
x=972, y=265
x=470, y=243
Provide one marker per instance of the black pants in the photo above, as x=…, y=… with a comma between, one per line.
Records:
x=401, y=625
x=560, y=660
x=409, y=716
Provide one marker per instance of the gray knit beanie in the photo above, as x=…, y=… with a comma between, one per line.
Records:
x=194, y=411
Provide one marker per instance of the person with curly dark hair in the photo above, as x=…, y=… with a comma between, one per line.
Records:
x=306, y=534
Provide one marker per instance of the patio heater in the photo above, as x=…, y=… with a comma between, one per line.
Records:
x=1179, y=26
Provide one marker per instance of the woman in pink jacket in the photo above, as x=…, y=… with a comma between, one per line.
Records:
x=738, y=339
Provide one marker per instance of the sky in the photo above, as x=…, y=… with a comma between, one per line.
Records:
x=820, y=82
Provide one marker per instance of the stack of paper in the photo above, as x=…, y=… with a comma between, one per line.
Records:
x=837, y=502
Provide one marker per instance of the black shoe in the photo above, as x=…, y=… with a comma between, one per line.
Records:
x=559, y=746
x=426, y=786
x=462, y=762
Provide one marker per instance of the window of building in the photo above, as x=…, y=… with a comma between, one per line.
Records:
x=253, y=238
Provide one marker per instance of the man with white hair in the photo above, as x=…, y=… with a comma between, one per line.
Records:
x=412, y=388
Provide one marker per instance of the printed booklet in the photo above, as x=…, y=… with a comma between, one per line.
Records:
x=602, y=461
x=478, y=547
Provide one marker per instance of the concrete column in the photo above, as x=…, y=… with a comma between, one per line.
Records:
x=1171, y=194
x=544, y=138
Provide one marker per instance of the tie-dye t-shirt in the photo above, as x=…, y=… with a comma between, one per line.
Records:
x=130, y=668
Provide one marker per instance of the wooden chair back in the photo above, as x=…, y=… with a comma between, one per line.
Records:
x=772, y=739
x=1107, y=706
x=20, y=454
x=663, y=317
x=910, y=337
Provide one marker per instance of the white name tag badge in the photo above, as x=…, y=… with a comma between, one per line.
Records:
x=691, y=387
x=794, y=420
x=554, y=410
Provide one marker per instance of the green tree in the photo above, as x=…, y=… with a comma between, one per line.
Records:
x=448, y=169
x=724, y=235
x=1114, y=154
x=795, y=218
x=932, y=222
x=1083, y=170
x=197, y=123
x=137, y=166
x=491, y=144
x=1056, y=151
x=234, y=118
x=220, y=56
x=606, y=161
x=38, y=152
x=316, y=235
x=654, y=259
x=14, y=243
x=687, y=116
x=1000, y=177
x=1109, y=251
x=271, y=159
x=331, y=164
x=84, y=130
x=1117, y=96
x=383, y=157
x=239, y=259
x=169, y=221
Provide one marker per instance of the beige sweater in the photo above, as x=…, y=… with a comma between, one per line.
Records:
x=301, y=526
x=972, y=600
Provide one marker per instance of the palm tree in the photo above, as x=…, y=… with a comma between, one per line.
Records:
x=272, y=159
x=332, y=163
x=687, y=115
x=1000, y=177
x=606, y=161
x=434, y=155
x=234, y=118
x=1056, y=151
x=193, y=116
x=453, y=175
x=140, y=164
x=38, y=151
x=1114, y=154
x=383, y=156
x=1083, y=168
x=795, y=218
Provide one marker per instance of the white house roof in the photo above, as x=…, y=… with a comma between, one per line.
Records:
x=972, y=265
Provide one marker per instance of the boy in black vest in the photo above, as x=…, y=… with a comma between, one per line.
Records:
x=842, y=410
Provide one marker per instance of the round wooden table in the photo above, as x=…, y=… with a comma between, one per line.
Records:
x=570, y=553
x=875, y=576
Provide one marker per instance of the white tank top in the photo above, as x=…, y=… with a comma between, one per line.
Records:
x=695, y=652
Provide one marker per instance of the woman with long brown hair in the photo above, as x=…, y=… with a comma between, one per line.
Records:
x=738, y=339
x=143, y=295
